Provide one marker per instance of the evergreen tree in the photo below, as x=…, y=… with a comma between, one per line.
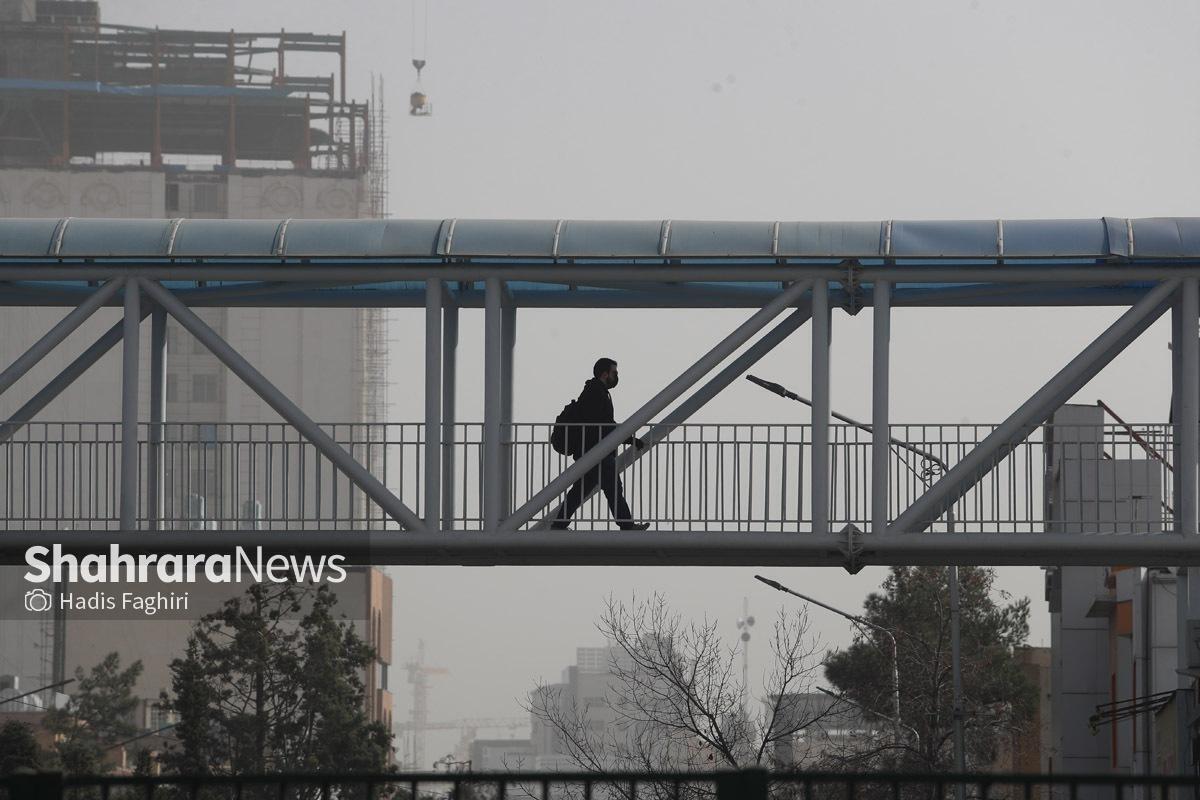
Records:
x=18, y=747
x=98, y=716
x=914, y=604
x=272, y=682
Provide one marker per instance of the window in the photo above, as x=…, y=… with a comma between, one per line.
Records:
x=172, y=388
x=204, y=198
x=172, y=197
x=205, y=389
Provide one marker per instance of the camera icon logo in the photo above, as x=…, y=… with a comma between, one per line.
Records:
x=38, y=600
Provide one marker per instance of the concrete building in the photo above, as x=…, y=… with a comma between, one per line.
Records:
x=500, y=755
x=116, y=121
x=1113, y=629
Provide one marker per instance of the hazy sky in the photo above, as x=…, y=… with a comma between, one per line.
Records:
x=758, y=109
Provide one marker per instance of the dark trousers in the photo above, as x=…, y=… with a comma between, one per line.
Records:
x=603, y=475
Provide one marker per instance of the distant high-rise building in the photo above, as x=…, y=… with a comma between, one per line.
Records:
x=102, y=120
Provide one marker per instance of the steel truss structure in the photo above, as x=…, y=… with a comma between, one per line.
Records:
x=790, y=273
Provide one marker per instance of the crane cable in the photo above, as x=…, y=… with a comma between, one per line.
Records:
x=419, y=59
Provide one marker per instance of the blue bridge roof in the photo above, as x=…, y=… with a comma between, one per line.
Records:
x=1105, y=238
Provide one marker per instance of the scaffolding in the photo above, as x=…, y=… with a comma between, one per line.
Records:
x=76, y=91
x=377, y=151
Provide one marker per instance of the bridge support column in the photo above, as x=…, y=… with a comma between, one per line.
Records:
x=819, y=474
x=129, y=406
x=433, y=402
x=881, y=443
x=449, y=406
x=493, y=405
x=155, y=467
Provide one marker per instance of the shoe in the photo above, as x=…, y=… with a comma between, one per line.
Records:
x=560, y=525
x=633, y=526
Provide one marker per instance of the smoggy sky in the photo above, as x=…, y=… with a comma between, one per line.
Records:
x=750, y=109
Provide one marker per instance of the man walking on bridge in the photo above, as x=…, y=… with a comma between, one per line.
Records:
x=594, y=420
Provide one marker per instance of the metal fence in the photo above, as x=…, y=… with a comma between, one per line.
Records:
x=750, y=784
x=714, y=477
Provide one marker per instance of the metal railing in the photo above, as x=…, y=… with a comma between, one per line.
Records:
x=748, y=784
x=700, y=476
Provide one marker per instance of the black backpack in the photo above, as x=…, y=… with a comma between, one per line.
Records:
x=564, y=438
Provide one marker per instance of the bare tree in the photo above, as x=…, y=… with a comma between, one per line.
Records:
x=673, y=698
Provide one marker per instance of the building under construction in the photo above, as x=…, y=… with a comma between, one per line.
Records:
x=103, y=120
x=75, y=92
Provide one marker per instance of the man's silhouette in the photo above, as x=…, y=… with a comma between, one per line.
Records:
x=594, y=415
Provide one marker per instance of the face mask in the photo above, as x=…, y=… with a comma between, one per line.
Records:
x=615, y=380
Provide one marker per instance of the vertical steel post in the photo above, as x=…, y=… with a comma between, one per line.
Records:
x=819, y=474
x=1183, y=477
x=129, y=407
x=449, y=408
x=493, y=401
x=1187, y=504
x=155, y=466
x=881, y=445
x=433, y=403
x=1188, y=389
x=509, y=329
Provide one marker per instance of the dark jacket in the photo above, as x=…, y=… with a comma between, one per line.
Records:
x=595, y=411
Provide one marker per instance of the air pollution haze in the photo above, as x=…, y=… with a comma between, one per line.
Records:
x=750, y=110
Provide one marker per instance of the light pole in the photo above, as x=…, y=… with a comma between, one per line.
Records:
x=857, y=620
x=960, y=758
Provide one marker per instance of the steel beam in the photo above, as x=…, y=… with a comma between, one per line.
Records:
x=819, y=474
x=449, y=408
x=698, y=399
x=635, y=271
x=55, y=336
x=881, y=432
x=433, y=403
x=1058, y=390
x=69, y=374
x=155, y=464
x=725, y=348
x=323, y=442
x=493, y=402
x=729, y=295
x=620, y=548
x=129, y=406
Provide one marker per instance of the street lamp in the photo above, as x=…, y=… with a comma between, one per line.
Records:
x=960, y=760
x=857, y=620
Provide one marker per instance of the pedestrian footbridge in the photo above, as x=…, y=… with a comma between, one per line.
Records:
x=1050, y=483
